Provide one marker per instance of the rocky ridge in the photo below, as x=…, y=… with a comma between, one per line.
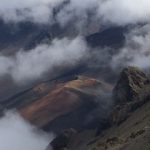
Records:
x=129, y=119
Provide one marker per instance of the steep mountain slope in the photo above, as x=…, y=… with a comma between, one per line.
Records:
x=131, y=129
x=134, y=133
x=129, y=121
x=60, y=105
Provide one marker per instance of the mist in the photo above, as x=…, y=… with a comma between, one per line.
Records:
x=38, y=11
x=119, y=12
x=31, y=65
x=123, y=12
x=102, y=110
x=136, y=50
x=64, y=51
x=17, y=134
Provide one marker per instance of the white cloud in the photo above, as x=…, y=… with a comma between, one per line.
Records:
x=77, y=9
x=136, y=50
x=39, y=11
x=17, y=134
x=31, y=65
x=125, y=11
x=44, y=57
x=114, y=11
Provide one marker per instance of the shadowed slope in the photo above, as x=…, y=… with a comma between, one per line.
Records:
x=63, y=101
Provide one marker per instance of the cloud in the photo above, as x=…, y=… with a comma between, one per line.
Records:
x=38, y=11
x=136, y=50
x=31, y=65
x=79, y=11
x=122, y=12
x=41, y=11
x=17, y=134
x=43, y=58
x=102, y=110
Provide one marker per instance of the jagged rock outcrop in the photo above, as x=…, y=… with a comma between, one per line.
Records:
x=131, y=91
x=130, y=85
x=130, y=121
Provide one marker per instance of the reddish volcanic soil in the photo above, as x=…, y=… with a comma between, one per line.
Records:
x=62, y=99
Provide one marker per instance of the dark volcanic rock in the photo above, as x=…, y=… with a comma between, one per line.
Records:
x=132, y=91
x=129, y=87
x=112, y=37
x=62, y=140
x=132, y=99
x=131, y=134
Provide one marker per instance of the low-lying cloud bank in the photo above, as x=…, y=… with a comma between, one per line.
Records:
x=17, y=134
x=42, y=11
x=31, y=65
x=36, y=62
